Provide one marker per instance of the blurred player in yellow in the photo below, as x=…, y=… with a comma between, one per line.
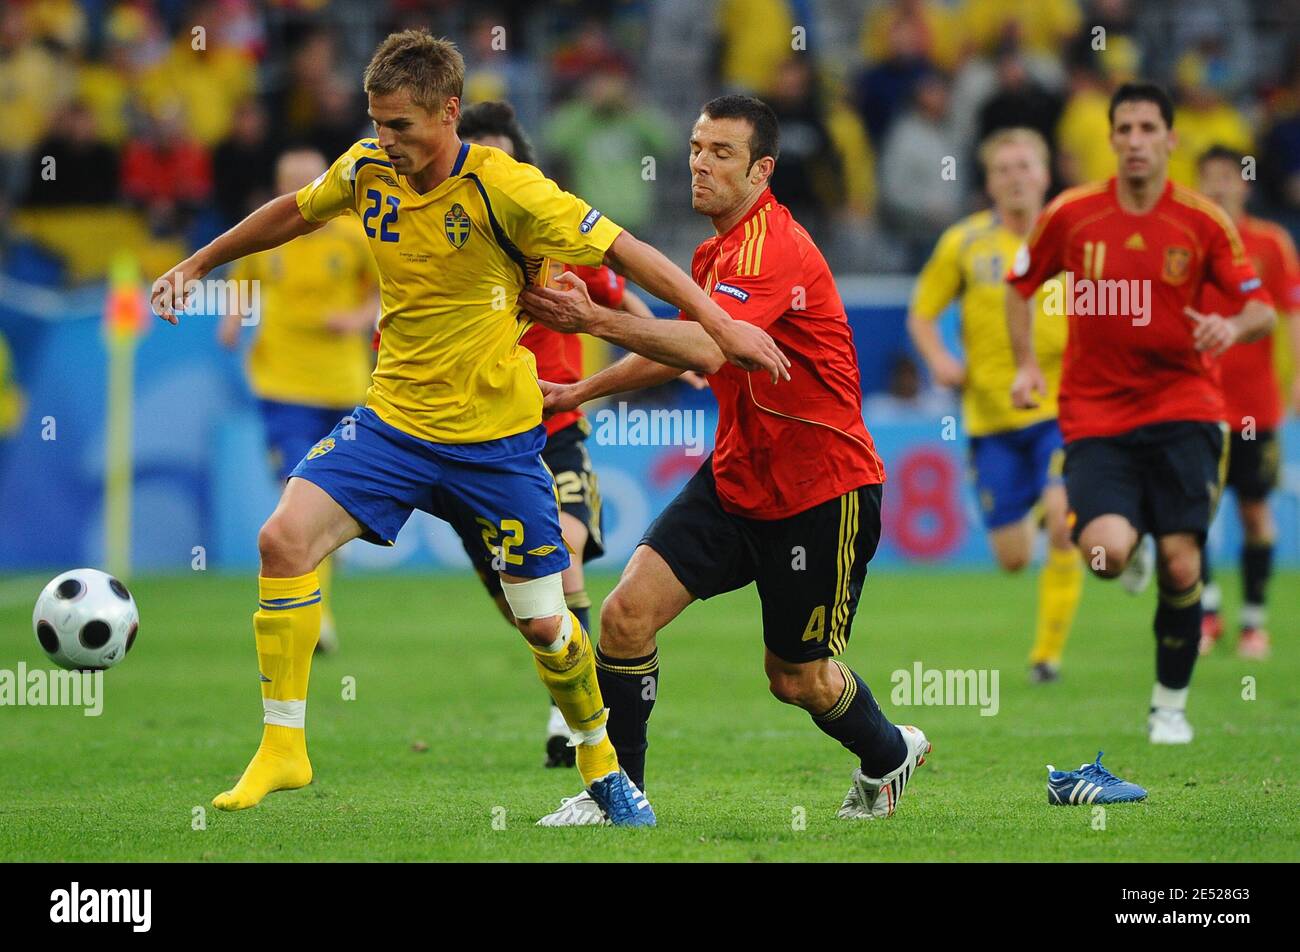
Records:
x=454, y=407
x=309, y=364
x=1015, y=455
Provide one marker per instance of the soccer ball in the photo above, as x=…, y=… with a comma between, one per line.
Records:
x=86, y=620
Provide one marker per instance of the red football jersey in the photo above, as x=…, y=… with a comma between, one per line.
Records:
x=1134, y=364
x=1250, y=387
x=784, y=448
x=559, y=356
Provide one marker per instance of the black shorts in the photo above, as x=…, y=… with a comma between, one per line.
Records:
x=1163, y=478
x=565, y=455
x=809, y=567
x=1253, y=465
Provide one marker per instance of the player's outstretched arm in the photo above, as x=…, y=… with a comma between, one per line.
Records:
x=1029, y=384
x=744, y=345
x=633, y=372
x=276, y=222
x=567, y=307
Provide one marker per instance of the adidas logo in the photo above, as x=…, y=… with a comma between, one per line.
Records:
x=1135, y=242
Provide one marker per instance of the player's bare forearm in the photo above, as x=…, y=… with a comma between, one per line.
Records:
x=679, y=344
x=651, y=269
x=276, y=222
x=635, y=306
x=945, y=368
x=745, y=345
x=1020, y=328
x=1256, y=320
x=632, y=372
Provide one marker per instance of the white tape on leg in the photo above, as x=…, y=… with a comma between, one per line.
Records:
x=536, y=598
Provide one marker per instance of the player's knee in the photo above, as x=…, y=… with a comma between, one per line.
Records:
x=283, y=550
x=1257, y=523
x=793, y=687
x=538, y=607
x=1106, y=557
x=1180, y=570
x=540, y=631
x=1013, y=561
x=626, y=627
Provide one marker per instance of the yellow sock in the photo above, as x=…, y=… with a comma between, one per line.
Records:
x=1059, y=586
x=570, y=675
x=325, y=575
x=285, y=626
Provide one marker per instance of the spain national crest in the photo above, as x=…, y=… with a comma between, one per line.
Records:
x=456, y=224
x=1177, y=265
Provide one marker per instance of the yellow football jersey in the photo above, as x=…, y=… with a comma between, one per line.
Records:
x=971, y=260
x=452, y=262
x=295, y=357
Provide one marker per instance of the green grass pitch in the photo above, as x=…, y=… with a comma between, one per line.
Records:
x=438, y=757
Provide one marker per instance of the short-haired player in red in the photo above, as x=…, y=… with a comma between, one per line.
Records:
x=790, y=497
x=1141, y=408
x=1252, y=399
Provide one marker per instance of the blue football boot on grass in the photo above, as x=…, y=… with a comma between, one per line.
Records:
x=621, y=802
x=1090, y=784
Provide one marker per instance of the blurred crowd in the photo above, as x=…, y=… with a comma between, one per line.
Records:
x=175, y=110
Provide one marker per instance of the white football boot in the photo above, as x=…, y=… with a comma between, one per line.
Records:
x=581, y=810
x=1168, y=725
x=870, y=799
x=1141, y=567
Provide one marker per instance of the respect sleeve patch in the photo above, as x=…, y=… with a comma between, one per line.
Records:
x=737, y=293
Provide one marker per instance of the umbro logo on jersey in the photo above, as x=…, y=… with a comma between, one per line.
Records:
x=387, y=180
x=735, y=292
x=542, y=550
x=1135, y=242
x=589, y=222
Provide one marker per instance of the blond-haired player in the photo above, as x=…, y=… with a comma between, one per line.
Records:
x=1015, y=455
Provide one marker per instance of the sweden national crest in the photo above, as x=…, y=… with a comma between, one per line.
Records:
x=1176, y=269
x=321, y=448
x=456, y=224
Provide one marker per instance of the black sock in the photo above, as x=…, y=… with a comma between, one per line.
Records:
x=1178, y=633
x=579, y=603
x=1256, y=567
x=857, y=722
x=1207, y=576
x=629, y=686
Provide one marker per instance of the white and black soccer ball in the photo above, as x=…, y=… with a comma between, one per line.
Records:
x=86, y=620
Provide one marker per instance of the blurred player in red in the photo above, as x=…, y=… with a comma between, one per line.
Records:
x=1252, y=400
x=1141, y=409
x=789, y=499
